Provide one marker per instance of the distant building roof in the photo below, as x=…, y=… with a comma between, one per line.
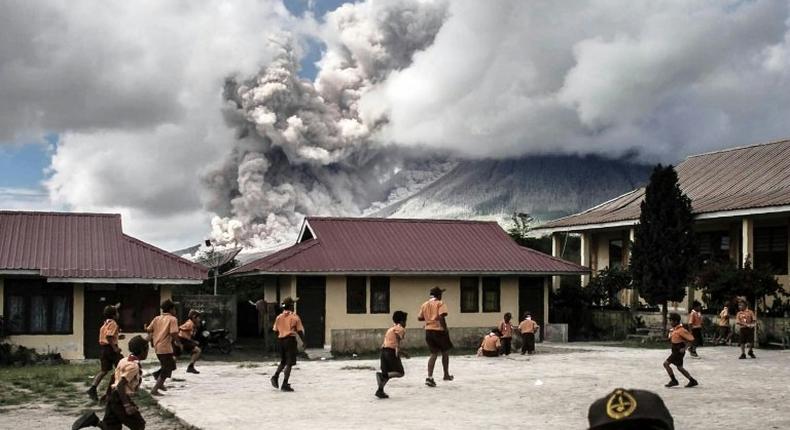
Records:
x=406, y=246
x=719, y=183
x=85, y=247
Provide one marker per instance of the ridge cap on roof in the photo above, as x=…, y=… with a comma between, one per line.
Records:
x=164, y=253
x=278, y=256
x=740, y=148
x=60, y=213
x=403, y=220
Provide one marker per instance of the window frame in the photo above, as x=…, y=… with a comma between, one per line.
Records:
x=385, y=287
x=616, y=263
x=29, y=288
x=466, y=289
x=491, y=284
x=359, y=308
x=775, y=247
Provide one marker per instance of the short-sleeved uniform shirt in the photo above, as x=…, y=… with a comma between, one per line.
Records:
x=394, y=336
x=724, y=318
x=186, y=330
x=129, y=369
x=491, y=342
x=431, y=312
x=162, y=329
x=109, y=330
x=695, y=319
x=679, y=334
x=528, y=326
x=506, y=329
x=287, y=324
x=745, y=318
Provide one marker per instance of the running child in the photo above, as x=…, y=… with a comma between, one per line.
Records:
x=163, y=333
x=506, y=328
x=723, y=334
x=678, y=336
x=186, y=333
x=434, y=314
x=528, y=328
x=746, y=321
x=391, y=352
x=109, y=351
x=121, y=410
x=695, y=322
x=491, y=344
x=288, y=325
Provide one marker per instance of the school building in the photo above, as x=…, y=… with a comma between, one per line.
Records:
x=741, y=201
x=59, y=270
x=350, y=274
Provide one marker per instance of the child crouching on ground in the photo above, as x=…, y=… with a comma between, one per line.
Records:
x=391, y=352
x=121, y=410
x=491, y=344
x=678, y=336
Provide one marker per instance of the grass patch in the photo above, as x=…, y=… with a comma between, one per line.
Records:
x=56, y=384
x=248, y=366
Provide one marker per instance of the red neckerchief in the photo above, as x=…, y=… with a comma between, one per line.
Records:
x=133, y=357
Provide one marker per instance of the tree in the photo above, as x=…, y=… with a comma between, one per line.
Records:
x=664, y=253
x=723, y=282
x=519, y=231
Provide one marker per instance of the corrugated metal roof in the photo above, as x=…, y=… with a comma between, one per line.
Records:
x=381, y=245
x=748, y=177
x=84, y=245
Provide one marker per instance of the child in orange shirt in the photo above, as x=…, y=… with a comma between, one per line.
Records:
x=695, y=322
x=437, y=335
x=288, y=325
x=506, y=328
x=528, y=328
x=491, y=344
x=186, y=332
x=163, y=333
x=391, y=352
x=121, y=410
x=109, y=351
x=678, y=336
x=746, y=321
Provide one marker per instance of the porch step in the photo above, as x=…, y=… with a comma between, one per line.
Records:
x=318, y=354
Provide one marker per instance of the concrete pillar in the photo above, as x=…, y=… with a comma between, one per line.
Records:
x=546, y=302
x=556, y=251
x=747, y=241
x=634, y=298
x=585, y=255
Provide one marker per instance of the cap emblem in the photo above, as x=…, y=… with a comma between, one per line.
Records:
x=620, y=405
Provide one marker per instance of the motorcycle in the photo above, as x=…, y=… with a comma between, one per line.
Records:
x=217, y=339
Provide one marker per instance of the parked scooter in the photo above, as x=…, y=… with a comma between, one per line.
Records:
x=217, y=339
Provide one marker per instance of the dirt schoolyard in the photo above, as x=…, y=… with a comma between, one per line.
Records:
x=547, y=391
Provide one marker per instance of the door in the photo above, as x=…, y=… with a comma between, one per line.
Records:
x=311, y=307
x=96, y=298
x=531, y=298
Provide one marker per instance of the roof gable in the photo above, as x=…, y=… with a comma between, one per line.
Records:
x=84, y=245
x=381, y=245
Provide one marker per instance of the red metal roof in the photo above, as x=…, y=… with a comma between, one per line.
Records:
x=85, y=245
x=381, y=245
x=749, y=177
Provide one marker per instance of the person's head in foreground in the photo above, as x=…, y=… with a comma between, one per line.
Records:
x=624, y=409
x=168, y=307
x=436, y=293
x=674, y=319
x=288, y=304
x=138, y=347
x=399, y=317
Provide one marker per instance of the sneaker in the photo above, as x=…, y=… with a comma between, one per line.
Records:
x=93, y=394
x=275, y=382
x=430, y=382
x=86, y=420
x=448, y=377
x=191, y=369
x=156, y=374
x=379, y=380
x=672, y=383
x=751, y=354
x=743, y=356
x=286, y=387
x=381, y=394
x=156, y=393
x=692, y=383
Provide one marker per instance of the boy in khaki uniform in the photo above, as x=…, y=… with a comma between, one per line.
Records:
x=288, y=325
x=695, y=322
x=506, y=328
x=186, y=332
x=528, y=328
x=679, y=337
x=163, y=332
x=109, y=351
x=391, y=352
x=491, y=344
x=746, y=321
x=434, y=314
x=121, y=410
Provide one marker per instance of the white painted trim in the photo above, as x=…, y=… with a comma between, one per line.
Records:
x=744, y=212
x=125, y=281
x=19, y=272
x=583, y=227
x=305, y=226
x=388, y=273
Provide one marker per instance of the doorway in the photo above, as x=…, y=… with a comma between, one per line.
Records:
x=531, y=298
x=311, y=307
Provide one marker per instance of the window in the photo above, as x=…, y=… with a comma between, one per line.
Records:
x=139, y=305
x=714, y=246
x=491, y=294
x=470, y=295
x=356, y=295
x=616, y=254
x=33, y=307
x=770, y=249
x=379, y=295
